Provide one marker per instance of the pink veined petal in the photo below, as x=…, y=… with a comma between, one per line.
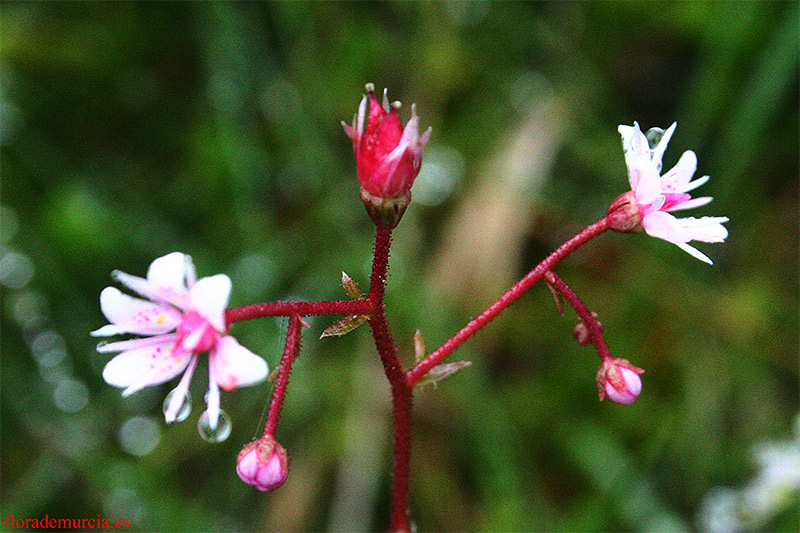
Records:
x=168, y=275
x=135, y=344
x=132, y=315
x=174, y=406
x=209, y=297
x=691, y=204
x=678, y=177
x=233, y=365
x=658, y=151
x=143, y=367
x=706, y=229
x=695, y=184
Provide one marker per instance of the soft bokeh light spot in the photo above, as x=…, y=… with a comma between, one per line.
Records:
x=16, y=269
x=48, y=348
x=442, y=170
x=139, y=435
x=71, y=395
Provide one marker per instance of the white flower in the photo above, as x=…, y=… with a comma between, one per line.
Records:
x=181, y=318
x=657, y=195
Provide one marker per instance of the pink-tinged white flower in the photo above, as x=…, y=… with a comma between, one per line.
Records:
x=387, y=155
x=263, y=464
x=619, y=381
x=181, y=318
x=654, y=196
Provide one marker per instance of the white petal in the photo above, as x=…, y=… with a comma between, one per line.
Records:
x=132, y=315
x=134, y=344
x=695, y=184
x=665, y=226
x=706, y=229
x=167, y=277
x=648, y=184
x=233, y=365
x=209, y=297
x=694, y=252
x=136, y=369
x=677, y=179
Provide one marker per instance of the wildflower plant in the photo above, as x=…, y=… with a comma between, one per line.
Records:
x=180, y=317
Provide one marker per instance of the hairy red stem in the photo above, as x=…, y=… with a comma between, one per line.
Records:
x=583, y=312
x=401, y=391
x=362, y=306
x=290, y=352
x=534, y=276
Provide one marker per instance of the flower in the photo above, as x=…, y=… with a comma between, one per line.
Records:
x=619, y=381
x=653, y=196
x=388, y=156
x=181, y=318
x=263, y=463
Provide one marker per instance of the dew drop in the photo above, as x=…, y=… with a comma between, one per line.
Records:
x=217, y=434
x=654, y=136
x=183, y=410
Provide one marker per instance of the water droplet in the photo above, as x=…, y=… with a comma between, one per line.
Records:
x=184, y=409
x=217, y=434
x=654, y=136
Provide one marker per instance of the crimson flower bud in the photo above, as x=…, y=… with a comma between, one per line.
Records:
x=619, y=381
x=263, y=463
x=624, y=215
x=388, y=156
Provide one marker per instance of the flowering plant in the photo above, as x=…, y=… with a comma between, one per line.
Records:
x=183, y=317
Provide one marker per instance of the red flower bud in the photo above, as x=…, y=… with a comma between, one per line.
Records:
x=388, y=156
x=619, y=381
x=263, y=463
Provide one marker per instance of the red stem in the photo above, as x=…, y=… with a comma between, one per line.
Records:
x=290, y=352
x=362, y=306
x=401, y=391
x=424, y=366
x=583, y=312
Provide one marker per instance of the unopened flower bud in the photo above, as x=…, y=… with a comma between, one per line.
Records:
x=624, y=215
x=263, y=463
x=581, y=332
x=388, y=156
x=619, y=381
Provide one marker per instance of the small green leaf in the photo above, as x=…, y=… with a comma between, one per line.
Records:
x=439, y=372
x=351, y=287
x=344, y=325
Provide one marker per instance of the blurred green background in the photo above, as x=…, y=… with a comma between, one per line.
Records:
x=131, y=130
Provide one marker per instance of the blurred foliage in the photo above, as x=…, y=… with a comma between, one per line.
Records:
x=130, y=130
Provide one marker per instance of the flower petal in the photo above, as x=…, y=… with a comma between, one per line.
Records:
x=132, y=315
x=143, y=367
x=665, y=226
x=690, y=204
x=167, y=276
x=209, y=297
x=134, y=344
x=678, y=177
x=706, y=229
x=233, y=365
